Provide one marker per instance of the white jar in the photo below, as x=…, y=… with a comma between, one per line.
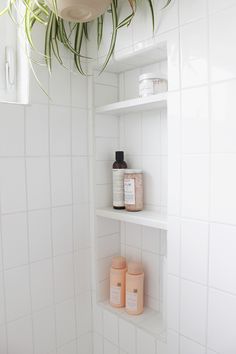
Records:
x=151, y=84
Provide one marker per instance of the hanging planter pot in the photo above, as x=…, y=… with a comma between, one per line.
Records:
x=79, y=10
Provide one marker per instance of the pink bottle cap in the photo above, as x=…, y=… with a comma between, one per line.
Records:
x=118, y=262
x=135, y=268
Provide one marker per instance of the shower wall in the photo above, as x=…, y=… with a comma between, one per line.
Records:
x=201, y=300
x=45, y=258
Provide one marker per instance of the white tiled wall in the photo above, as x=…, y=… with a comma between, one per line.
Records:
x=202, y=216
x=45, y=249
x=201, y=297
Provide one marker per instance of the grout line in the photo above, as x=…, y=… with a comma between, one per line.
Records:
x=3, y=280
x=75, y=246
x=210, y=167
x=51, y=231
x=181, y=175
x=28, y=237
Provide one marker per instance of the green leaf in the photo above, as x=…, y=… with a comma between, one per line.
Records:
x=114, y=34
x=48, y=43
x=152, y=13
x=78, y=44
x=167, y=3
x=99, y=30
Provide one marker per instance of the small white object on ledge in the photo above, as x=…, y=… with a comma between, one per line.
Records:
x=151, y=84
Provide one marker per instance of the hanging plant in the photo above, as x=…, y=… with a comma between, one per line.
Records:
x=66, y=23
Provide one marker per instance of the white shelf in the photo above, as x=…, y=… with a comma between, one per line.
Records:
x=150, y=320
x=136, y=104
x=147, y=52
x=145, y=217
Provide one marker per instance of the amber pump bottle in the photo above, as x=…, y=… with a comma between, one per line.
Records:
x=118, y=170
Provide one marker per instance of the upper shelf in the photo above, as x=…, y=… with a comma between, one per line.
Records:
x=140, y=54
x=145, y=217
x=136, y=104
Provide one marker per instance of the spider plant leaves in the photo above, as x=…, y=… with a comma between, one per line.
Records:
x=114, y=33
x=64, y=38
x=100, y=21
x=48, y=43
x=167, y=3
x=59, y=32
x=78, y=44
x=152, y=14
x=127, y=21
x=54, y=40
x=86, y=30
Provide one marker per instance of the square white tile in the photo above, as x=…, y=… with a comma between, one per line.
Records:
x=11, y=130
x=145, y=343
x=195, y=187
x=64, y=277
x=79, y=132
x=192, y=10
x=110, y=327
x=222, y=272
x=40, y=243
x=222, y=53
x=193, y=311
x=83, y=270
x=80, y=175
x=173, y=302
x=194, y=251
x=36, y=130
x=84, y=313
x=61, y=181
x=194, y=61
x=195, y=121
x=60, y=74
x=17, y=290
x=133, y=234
x=174, y=245
x=127, y=336
x=20, y=336
x=3, y=339
x=13, y=188
x=221, y=322
x=41, y=274
x=62, y=230
x=2, y=302
x=38, y=183
x=223, y=123
x=65, y=322
x=223, y=188
x=60, y=130
x=15, y=240
x=44, y=331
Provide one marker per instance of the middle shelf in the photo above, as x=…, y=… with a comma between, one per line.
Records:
x=145, y=217
x=135, y=105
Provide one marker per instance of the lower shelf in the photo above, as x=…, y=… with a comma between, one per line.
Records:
x=145, y=217
x=150, y=321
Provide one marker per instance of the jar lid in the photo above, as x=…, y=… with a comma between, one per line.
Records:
x=135, y=268
x=129, y=171
x=118, y=262
x=148, y=76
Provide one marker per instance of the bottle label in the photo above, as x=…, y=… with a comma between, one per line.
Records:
x=129, y=186
x=132, y=301
x=118, y=187
x=115, y=295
